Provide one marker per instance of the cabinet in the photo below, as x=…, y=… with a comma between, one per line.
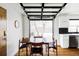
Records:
x=73, y=43
x=64, y=40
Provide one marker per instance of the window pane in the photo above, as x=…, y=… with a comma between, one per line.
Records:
x=32, y=4
x=50, y=9
x=41, y=28
x=49, y=13
x=32, y=9
x=35, y=17
x=72, y=29
x=53, y=4
x=34, y=13
x=74, y=25
x=47, y=18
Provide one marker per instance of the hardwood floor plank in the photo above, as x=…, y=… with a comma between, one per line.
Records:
x=61, y=52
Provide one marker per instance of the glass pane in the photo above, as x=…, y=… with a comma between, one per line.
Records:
x=47, y=18
x=34, y=13
x=35, y=17
x=51, y=9
x=72, y=29
x=74, y=22
x=74, y=25
x=31, y=4
x=49, y=13
x=53, y=4
x=41, y=28
x=32, y=9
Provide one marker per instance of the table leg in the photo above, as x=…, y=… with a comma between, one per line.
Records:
x=26, y=51
x=48, y=49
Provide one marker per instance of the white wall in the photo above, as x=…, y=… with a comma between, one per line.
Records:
x=71, y=11
x=14, y=12
x=13, y=34
x=62, y=21
x=3, y=24
x=56, y=31
x=25, y=25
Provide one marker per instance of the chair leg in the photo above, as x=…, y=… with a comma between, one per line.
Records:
x=19, y=48
x=30, y=53
x=48, y=50
x=26, y=51
x=42, y=53
x=56, y=52
x=19, y=53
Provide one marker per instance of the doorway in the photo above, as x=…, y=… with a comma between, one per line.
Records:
x=3, y=29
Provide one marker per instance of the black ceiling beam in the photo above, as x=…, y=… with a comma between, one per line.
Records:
x=52, y=7
x=73, y=19
x=40, y=15
x=40, y=11
x=41, y=7
x=40, y=19
x=32, y=7
x=60, y=9
x=22, y=6
x=64, y=4
x=24, y=9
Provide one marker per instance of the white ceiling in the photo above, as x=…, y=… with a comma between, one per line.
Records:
x=71, y=8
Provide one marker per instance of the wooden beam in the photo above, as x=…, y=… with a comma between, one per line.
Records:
x=40, y=15
x=41, y=7
x=40, y=11
x=24, y=9
x=61, y=9
x=41, y=19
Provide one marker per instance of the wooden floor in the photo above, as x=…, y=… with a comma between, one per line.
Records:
x=68, y=51
x=61, y=52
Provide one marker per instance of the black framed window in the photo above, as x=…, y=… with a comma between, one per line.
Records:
x=74, y=25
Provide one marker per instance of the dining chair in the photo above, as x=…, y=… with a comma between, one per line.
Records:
x=53, y=45
x=36, y=48
x=23, y=44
